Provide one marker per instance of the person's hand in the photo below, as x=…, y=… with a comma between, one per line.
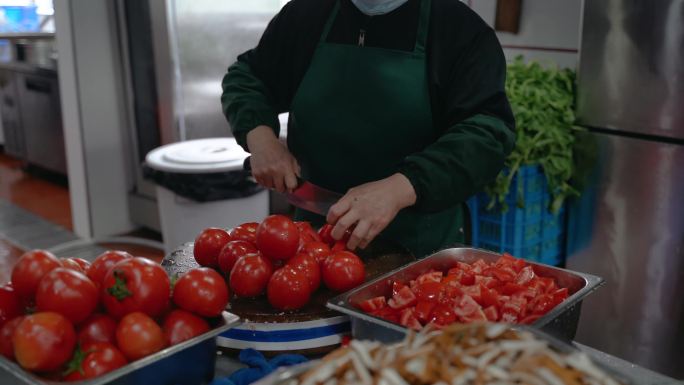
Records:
x=369, y=208
x=273, y=166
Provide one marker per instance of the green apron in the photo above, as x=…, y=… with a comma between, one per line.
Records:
x=357, y=114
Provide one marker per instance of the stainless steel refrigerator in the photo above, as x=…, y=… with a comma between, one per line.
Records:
x=629, y=225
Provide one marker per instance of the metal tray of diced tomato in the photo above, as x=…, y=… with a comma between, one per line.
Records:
x=463, y=285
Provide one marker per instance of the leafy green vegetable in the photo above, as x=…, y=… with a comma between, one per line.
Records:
x=543, y=102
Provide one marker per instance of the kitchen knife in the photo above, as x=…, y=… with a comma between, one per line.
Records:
x=307, y=195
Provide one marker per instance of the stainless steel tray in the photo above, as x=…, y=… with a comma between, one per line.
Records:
x=561, y=322
x=189, y=363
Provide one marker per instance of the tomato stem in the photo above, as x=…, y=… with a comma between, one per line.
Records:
x=74, y=364
x=119, y=290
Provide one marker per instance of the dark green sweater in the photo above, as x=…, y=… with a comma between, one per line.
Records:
x=467, y=72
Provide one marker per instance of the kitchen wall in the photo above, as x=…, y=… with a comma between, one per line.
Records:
x=549, y=30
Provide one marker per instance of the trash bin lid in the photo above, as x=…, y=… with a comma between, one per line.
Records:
x=198, y=156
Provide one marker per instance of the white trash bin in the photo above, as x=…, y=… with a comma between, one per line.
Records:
x=182, y=218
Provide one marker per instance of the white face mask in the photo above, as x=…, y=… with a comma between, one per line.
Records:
x=377, y=7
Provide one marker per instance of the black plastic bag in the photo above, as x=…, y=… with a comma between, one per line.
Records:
x=205, y=187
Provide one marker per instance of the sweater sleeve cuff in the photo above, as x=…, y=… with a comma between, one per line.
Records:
x=412, y=173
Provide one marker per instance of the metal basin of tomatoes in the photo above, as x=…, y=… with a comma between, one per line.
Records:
x=561, y=321
x=168, y=366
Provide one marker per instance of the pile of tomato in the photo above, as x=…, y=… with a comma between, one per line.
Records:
x=505, y=291
x=68, y=319
x=286, y=260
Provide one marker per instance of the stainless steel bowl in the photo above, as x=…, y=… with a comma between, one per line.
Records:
x=561, y=322
x=188, y=363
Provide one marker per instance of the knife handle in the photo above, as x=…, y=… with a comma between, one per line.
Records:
x=247, y=166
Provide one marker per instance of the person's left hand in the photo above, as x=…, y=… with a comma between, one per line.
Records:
x=369, y=208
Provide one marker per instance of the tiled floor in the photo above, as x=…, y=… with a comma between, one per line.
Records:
x=35, y=211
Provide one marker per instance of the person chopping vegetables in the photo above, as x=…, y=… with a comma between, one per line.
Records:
x=400, y=104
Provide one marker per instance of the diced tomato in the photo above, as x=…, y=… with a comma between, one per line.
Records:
x=510, y=288
x=509, y=318
x=477, y=315
x=403, y=299
x=413, y=284
x=452, y=292
x=468, y=279
x=489, y=297
x=516, y=306
x=525, y=276
x=396, y=287
x=492, y=314
x=560, y=295
x=408, y=319
x=387, y=314
x=463, y=266
x=432, y=276
x=423, y=311
x=452, y=279
x=473, y=292
x=479, y=266
x=429, y=291
x=372, y=304
x=506, y=260
x=542, y=304
x=503, y=274
x=443, y=315
x=488, y=282
x=518, y=265
x=466, y=306
x=548, y=283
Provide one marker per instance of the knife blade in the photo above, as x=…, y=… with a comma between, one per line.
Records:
x=307, y=195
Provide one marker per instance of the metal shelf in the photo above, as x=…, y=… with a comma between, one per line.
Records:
x=27, y=35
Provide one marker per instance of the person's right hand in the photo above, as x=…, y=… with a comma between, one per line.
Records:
x=273, y=166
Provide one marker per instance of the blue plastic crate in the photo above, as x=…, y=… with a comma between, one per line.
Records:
x=530, y=231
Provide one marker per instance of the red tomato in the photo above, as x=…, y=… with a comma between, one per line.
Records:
x=245, y=232
x=489, y=297
x=139, y=336
x=468, y=279
x=477, y=316
x=202, y=291
x=10, y=304
x=30, y=269
x=442, y=315
x=343, y=271
x=136, y=284
x=233, y=251
x=43, y=342
x=424, y=310
x=250, y=275
x=307, y=233
x=310, y=267
x=278, y=238
x=181, y=325
x=510, y=288
x=318, y=250
x=373, y=304
x=403, y=299
x=288, y=289
x=69, y=263
x=6, y=333
x=208, y=246
x=68, y=293
x=94, y=360
x=339, y=246
x=408, y=319
x=81, y=262
x=101, y=265
x=503, y=274
x=559, y=295
x=97, y=328
x=325, y=234
x=429, y=291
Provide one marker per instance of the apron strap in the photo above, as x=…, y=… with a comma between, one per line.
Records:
x=330, y=22
x=423, y=26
